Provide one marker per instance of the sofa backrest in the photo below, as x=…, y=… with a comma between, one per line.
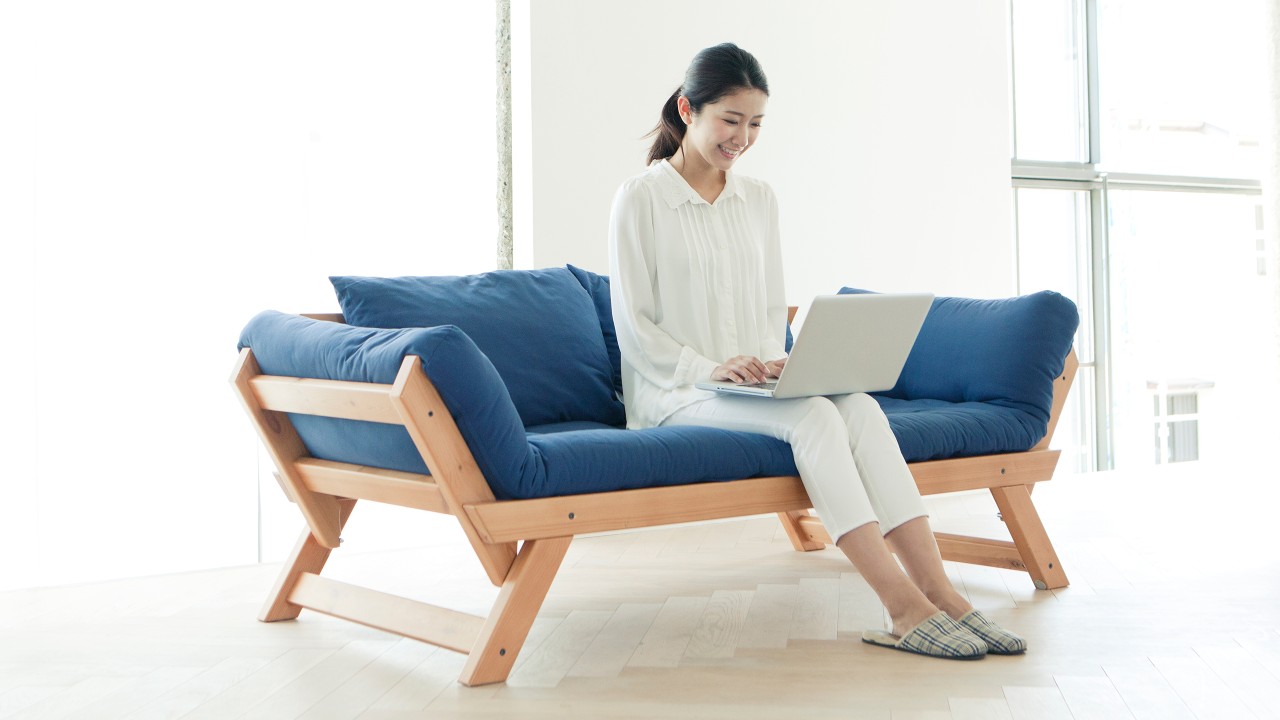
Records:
x=1006, y=352
x=539, y=328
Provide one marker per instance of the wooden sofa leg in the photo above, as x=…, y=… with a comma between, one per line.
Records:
x=1030, y=537
x=800, y=537
x=308, y=556
x=507, y=626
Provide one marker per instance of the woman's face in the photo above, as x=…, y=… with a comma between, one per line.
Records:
x=724, y=129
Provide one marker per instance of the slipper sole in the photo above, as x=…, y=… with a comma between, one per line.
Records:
x=895, y=646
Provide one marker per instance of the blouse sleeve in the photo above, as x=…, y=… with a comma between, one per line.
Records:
x=645, y=346
x=775, y=339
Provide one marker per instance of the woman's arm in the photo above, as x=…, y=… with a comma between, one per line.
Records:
x=646, y=347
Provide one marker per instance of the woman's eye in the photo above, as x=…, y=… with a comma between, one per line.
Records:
x=731, y=122
x=756, y=125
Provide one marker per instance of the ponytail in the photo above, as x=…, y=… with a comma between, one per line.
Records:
x=669, y=131
x=714, y=73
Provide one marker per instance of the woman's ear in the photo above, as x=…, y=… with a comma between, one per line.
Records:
x=685, y=110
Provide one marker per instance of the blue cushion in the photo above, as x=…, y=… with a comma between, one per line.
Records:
x=936, y=429
x=467, y=382
x=567, y=426
x=1005, y=352
x=597, y=286
x=600, y=460
x=539, y=328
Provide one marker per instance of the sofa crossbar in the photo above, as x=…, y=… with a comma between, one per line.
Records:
x=521, y=543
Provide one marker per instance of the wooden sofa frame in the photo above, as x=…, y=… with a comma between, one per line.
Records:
x=521, y=543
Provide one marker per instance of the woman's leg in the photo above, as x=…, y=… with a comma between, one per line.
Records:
x=820, y=441
x=896, y=499
x=917, y=548
x=908, y=606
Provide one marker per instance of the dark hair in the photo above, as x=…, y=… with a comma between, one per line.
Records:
x=715, y=72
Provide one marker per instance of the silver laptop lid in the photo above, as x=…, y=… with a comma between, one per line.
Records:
x=853, y=343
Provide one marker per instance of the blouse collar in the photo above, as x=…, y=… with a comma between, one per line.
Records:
x=677, y=191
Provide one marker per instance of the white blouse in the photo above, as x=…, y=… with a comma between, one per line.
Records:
x=693, y=284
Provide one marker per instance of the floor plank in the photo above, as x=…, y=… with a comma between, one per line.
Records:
x=717, y=632
x=609, y=652
x=1092, y=698
x=817, y=615
x=768, y=621
x=1200, y=688
x=665, y=642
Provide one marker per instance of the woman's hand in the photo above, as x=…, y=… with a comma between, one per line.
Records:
x=774, y=367
x=741, y=369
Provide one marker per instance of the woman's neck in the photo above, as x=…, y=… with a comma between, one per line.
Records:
x=705, y=180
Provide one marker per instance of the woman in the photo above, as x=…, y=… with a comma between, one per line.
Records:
x=697, y=292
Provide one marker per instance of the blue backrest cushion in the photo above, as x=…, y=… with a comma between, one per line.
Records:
x=295, y=346
x=539, y=328
x=1005, y=351
x=597, y=286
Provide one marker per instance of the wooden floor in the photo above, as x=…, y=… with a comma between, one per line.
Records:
x=1173, y=612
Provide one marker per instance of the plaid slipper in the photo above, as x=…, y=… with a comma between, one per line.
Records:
x=999, y=641
x=938, y=636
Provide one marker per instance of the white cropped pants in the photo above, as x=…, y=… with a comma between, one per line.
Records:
x=847, y=456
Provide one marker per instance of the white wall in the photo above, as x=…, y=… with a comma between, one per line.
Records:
x=170, y=169
x=886, y=137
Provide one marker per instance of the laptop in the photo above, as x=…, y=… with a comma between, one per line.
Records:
x=848, y=344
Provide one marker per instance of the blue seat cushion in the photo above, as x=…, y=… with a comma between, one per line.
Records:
x=937, y=429
x=580, y=459
x=539, y=328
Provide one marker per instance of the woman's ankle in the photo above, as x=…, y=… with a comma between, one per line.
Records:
x=907, y=618
x=950, y=601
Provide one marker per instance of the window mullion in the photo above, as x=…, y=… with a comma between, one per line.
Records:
x=1092, y=102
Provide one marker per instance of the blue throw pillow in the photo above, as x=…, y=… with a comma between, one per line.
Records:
x=539, y=328
x=1006, y=352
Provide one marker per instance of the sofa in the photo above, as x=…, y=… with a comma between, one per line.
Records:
x=496, y=398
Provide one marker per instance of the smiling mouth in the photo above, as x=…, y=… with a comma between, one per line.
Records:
x=730, y=153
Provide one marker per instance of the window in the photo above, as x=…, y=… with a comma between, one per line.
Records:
x=1181, y=87
x=1053, y=227
x=1135, y=173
